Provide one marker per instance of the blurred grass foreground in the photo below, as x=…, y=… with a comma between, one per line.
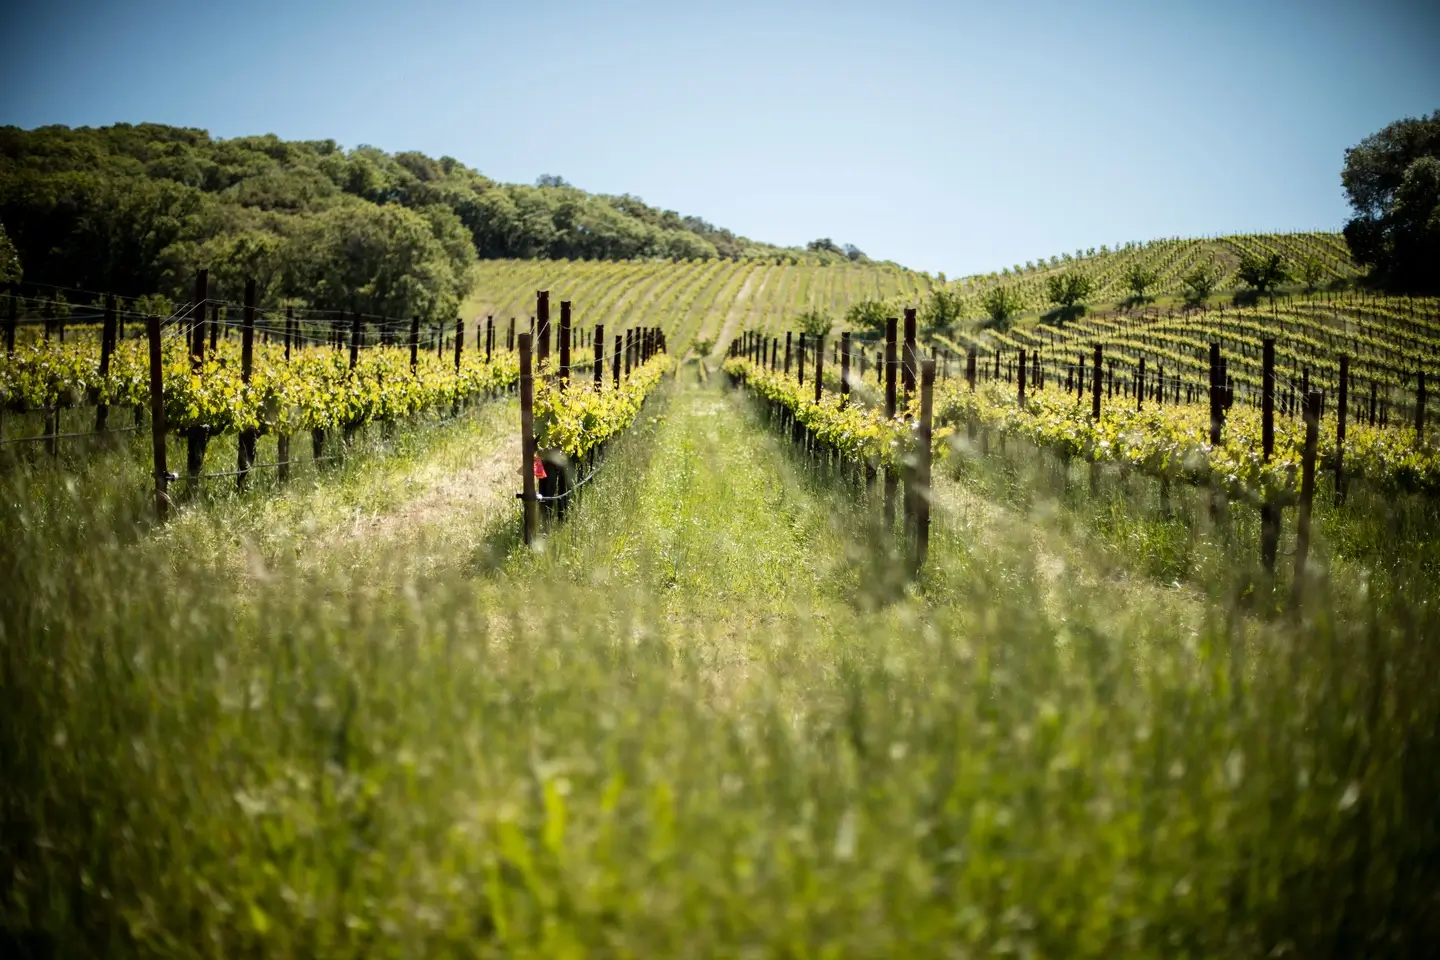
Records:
x=353, y=718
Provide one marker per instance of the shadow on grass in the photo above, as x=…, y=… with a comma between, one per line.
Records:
x=1063, y=315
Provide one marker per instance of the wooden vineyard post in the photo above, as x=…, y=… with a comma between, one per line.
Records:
x=920, y=486
x=197, y=436
x=599, y=344
x=214, y=325
x=1341, y=414
x=564, y=343
x=245, y=454
x=542, y=328
x=355, y=339
x=1021, y=381
x=615, y=362
x=629, y=347
x=1098, y=376
x=845, y=368
x=510, y=337
x=157, y=419
x=459, y=354
x=414, y=341
x=891, y=481
x=800, y=362
x=1307, y=493
x=1216, y=421
x=819, y=367
x=909, y=357
x=107, y=346
x=787, y=353
x=1269, y=509
x=970, y=363
x=282, y=458
x=1140, y=387
x=289, y=330
x=527, y=440
x=489, y=337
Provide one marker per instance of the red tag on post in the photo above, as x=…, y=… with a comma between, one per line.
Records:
x=539, y=468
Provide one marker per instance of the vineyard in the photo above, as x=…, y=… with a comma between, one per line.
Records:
x=1169, y=262
x=714, y=300
x=696, y=300
x=1103, y=637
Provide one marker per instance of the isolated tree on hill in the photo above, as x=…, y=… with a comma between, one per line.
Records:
x=1312, y=271
x=941, y=311
x=1139, y=279
x=1262, y=273
x=1068, y=291
x=815, y=322
x=703, y=347
x=1393, y=181
x=1200, y=283
x=823, y=245
x=1001, y=304
x=854, y=252
x=866, y=315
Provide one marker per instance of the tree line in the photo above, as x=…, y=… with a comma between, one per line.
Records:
x=136, y=209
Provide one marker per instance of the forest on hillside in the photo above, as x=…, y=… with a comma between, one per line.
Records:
x=135, y=209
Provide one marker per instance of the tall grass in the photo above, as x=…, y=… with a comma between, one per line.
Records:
x=688, y=726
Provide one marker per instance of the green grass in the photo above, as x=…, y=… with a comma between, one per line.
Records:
x=697, y=721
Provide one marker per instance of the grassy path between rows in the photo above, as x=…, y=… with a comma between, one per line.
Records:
x=707, y=524
x=432, y=494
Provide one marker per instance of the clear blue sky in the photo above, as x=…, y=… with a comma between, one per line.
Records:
x=947, y=136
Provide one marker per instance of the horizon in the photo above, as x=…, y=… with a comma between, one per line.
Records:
x=739, y=157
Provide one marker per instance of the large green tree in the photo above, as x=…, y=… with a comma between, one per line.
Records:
x=940, y=312
x=867, y=315
x=1069, y=289
x=1001, y=304
x=1393, y=181
x=1262, y=272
